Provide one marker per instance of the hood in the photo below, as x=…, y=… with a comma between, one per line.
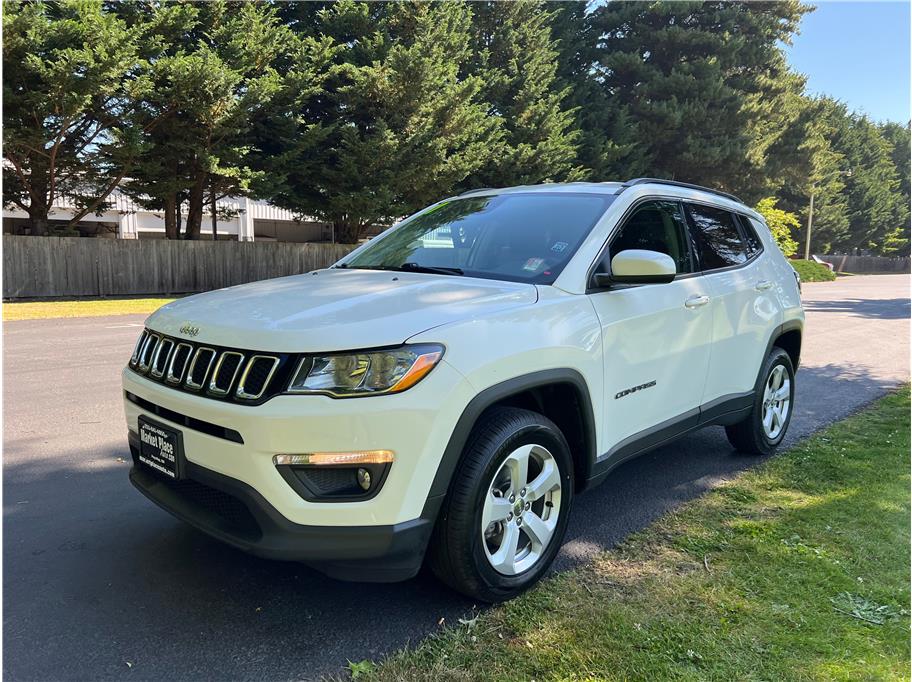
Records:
x=330, y=310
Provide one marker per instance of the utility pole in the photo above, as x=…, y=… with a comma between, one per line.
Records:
x=212, y=208
x=807, y=243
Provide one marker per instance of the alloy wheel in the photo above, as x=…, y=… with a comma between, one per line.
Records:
x=521, y=509
x=777, y=400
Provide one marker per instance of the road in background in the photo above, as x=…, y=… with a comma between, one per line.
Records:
x=100, y=583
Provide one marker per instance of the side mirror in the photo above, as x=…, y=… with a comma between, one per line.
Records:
x=638, y=266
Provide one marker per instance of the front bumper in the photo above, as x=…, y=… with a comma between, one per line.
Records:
x=416, y=425
x=235, y=493
x=235, y=513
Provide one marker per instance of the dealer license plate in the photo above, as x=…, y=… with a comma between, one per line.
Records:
x=160, y=448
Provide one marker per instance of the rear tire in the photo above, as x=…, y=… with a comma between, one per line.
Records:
x=506, y=513
x=764, y=428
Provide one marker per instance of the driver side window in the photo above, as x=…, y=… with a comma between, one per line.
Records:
x=656, y=226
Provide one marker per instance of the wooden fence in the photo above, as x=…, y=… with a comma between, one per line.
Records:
x=860, y=265
x=72, y=266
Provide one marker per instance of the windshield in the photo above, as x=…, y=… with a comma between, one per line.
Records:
x=527, y=237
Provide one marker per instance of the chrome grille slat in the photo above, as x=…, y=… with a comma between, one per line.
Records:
x=159, y=362
x=201, y=352
x=175, y=373
x=240, y=392
x=147, y=352
x=217, y=385
x=138, y=348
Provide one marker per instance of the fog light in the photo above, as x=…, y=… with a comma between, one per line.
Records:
x=352, y=476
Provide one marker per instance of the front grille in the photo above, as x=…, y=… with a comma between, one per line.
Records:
x=212, y=371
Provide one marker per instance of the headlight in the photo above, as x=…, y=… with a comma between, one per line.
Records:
x=348, y=375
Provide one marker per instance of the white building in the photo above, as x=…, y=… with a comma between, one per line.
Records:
x=254, y=220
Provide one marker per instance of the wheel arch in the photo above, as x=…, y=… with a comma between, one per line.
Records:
x=787, y=336
x=546, y=392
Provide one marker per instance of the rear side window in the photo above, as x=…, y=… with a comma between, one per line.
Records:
x=717, y=237
x=750, y=236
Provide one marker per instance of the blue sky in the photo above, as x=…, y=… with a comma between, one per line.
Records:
x=857, y=52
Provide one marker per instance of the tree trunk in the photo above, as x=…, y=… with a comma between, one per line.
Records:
x=347, y=232
x=172, y=229
x=195, y=208
x=38, y=220
x=39, y=225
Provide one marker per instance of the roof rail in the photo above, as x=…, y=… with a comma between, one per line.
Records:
x=675, y=183
x=477, y=189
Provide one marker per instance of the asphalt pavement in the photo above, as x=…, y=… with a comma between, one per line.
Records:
x=99, y=583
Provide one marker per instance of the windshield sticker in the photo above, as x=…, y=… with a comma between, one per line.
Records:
x=559, y=247
x=533, y=264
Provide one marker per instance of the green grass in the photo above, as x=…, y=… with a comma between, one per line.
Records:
x=40, y=310
x=812, y=271
x=795, y=570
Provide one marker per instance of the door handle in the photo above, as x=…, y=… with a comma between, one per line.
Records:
x=696, y=302
x=763, y=285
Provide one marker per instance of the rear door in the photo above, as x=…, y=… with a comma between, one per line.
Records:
x=743, y=299
x=656, y=337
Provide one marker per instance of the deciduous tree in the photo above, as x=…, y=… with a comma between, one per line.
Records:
x=781, y=223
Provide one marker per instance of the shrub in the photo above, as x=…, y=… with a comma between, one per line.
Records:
x=781, y=223
x=811, y=271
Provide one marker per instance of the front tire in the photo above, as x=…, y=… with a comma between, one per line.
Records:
x=764, y=428
x=506, y=513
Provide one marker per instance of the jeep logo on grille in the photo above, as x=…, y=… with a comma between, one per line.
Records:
x=189, y=329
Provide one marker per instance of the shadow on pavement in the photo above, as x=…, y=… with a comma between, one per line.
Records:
x=882, y=309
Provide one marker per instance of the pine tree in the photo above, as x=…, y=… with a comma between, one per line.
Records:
x=514, y=53
x=686, y=72
x=609, y=145
x=897, y=136
x=802, y=161
x=399, y=125
x=876, y=207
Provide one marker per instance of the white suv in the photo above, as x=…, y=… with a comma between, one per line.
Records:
x=447, y=388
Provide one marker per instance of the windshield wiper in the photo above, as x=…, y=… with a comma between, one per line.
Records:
x=405, y=267
x=417, y=267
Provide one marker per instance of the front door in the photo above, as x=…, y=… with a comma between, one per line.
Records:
x=656, y=337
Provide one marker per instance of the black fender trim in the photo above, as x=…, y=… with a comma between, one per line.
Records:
x=494, y=394
x=788, y=326
x=729, y=409
x=717, y=411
